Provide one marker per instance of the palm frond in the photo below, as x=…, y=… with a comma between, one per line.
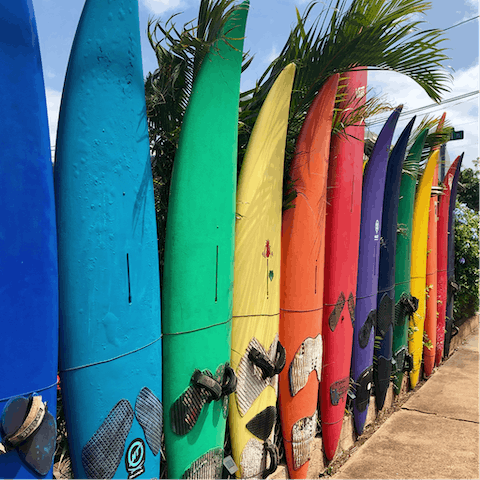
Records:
x=374, y=34
x=179, y=53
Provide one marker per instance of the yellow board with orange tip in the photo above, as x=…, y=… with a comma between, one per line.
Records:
x=418, y=268
x=256, y=353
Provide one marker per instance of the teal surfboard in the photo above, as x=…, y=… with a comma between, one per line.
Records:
x=110, y=357
x=198, y=273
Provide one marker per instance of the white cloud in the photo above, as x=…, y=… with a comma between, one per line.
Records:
x=272, y=55
x=462, y=114
x=158, y=7
x=54, y=98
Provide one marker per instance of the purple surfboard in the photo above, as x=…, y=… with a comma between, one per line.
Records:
x=368, y=263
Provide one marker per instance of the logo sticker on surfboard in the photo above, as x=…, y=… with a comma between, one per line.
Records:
x=377, y=229
x=135, y=458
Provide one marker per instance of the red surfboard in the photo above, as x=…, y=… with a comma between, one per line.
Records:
x=442, y=258
x=301, y=283
x=430, y=326
x=342, y=232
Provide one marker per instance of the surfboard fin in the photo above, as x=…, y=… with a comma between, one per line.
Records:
x=103, y=453
x=204, y=388
x=28, y=426
x=149, y=413
x=307, y=359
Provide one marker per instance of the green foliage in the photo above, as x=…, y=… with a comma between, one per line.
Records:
x=468, y=188
x=376, y=34
x=466, y=261
x=342, y=35
x=180, y=54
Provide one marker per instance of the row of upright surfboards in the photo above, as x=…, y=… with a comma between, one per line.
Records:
x=254, y=301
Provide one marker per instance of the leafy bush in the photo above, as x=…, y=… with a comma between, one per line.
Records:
x=466, y=261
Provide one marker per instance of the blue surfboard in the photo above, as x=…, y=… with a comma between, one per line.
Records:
x=110, y=346
x=28, y=249
x=382, y=356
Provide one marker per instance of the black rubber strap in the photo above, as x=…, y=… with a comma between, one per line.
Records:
x=262, y=362
x=280, y=358
x=208, y=383
x=229, y=381
x=408, y=363
x=272, y=452
x=455, y=331
x=410, y=304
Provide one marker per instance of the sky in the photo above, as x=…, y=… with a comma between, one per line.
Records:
x=268, y=26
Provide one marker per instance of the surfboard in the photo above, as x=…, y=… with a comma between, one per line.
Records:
x=342, y=230
x=198, y=273
x=29, y=287
x=405, y=304
x=110, y=349
x=257, y=357
x=418, y=269
x=442, y=257
x=301, y=282
x=451, y=285
x=430, y=327
x=382, y=363
x=368, y=261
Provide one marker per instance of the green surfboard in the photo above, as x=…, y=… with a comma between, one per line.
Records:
x=198, y=273
x=403, y=300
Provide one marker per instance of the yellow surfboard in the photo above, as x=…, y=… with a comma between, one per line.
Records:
x=418, y=270
x=256, y=354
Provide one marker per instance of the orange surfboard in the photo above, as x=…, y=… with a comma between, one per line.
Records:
x=301, y=283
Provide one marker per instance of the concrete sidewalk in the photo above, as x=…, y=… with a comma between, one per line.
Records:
x=435, y=434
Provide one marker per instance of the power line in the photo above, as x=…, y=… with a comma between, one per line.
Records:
x=461, y=23
x=426, y=107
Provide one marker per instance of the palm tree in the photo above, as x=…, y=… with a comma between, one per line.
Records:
x=376, y=34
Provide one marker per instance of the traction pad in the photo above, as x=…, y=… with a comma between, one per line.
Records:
x=261, y=425
x=364, y=333
x=254, y=459
x=149, y=413
x=385, y=314
x=103, y=453
x=303, y=432
x=307, y=359
x=351, y=308
x=250, y=378
x=363, y=387
x=334, y=316
x=338, y=390
x=208, y=465
x=204, y=388
x=38, y=448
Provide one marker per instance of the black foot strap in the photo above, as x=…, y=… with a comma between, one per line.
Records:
x=204, y=388
x=269, y=369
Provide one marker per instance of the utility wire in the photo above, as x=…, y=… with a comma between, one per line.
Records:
x=461, y=23
x=426, y=107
